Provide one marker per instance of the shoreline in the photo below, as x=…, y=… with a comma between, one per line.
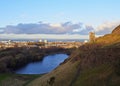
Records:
x=17, y=58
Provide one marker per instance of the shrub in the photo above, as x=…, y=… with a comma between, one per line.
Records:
x=51, y=81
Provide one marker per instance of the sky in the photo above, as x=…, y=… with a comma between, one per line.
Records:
x=58, y=17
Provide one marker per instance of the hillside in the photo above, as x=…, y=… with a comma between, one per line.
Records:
x=93, y=64
x=112, y=38
x=116, y=30
x=14, y=58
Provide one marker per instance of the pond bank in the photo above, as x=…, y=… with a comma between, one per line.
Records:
x=14, y=58
x=48, y=64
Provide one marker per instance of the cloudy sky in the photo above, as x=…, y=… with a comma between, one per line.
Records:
x=57, y=18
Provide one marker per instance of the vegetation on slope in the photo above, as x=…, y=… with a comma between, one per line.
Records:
x=16, y=79
x=112, y=38
x=100, y=68
x=93, y=64
x=14, y=58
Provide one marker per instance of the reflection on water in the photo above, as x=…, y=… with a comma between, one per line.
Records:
x=49, y=63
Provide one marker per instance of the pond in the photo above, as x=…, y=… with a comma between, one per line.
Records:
x=49, y=63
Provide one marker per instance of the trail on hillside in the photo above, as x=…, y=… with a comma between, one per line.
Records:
x=76, y=75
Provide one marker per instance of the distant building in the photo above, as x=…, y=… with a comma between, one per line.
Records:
x=85, y=41
x=40, y=40
x=45, y=41
x=92, y=37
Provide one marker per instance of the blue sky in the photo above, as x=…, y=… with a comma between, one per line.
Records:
x=94, y=13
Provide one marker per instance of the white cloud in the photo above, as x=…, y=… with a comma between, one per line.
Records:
x=58, y=28
x=47, y=28
x=55, y=25
x=76, y=30
x=106, y=27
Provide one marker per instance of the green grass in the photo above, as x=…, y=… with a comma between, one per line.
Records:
x=4, y=76
x=17, y=79
x=34, y=76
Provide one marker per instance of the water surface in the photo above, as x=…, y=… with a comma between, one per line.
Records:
x=46, y=65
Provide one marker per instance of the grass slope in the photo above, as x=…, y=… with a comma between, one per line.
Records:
x=102, y=75
x=16, y=79
x=62, y=76
x=93, y=64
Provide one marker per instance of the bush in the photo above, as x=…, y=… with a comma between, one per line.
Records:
x=51, y=81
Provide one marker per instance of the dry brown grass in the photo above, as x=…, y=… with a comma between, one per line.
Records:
x=63, y=76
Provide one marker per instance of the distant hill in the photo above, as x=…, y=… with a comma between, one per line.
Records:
x=93, y=64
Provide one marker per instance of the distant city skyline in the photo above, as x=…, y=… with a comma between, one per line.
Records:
x=58, y=17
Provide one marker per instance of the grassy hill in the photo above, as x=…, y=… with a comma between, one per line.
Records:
x=93, y=64
x=112, y=38
x=116, y=30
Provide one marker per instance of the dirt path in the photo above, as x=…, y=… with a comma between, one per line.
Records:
x=76, y=75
